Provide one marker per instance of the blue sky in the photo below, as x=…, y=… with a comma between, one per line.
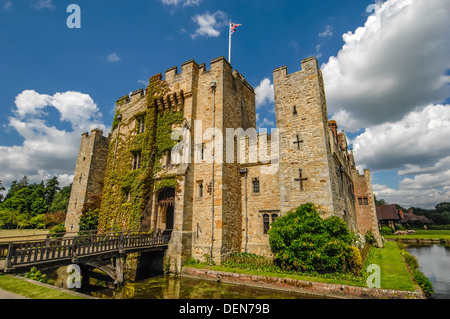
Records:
x=57, y=82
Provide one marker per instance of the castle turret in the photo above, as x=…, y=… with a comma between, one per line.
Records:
x=305, y=154
x=89, y=176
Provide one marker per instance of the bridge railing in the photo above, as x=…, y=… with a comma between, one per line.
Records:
x=70, y=248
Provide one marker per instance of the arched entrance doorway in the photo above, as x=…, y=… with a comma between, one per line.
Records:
x=166, y=208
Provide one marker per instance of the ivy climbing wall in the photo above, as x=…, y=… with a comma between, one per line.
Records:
x=141, y=136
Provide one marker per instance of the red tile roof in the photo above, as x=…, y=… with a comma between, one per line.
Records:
x=387, y=212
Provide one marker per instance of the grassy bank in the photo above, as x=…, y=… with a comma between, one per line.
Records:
x=394, y=272
x=33, y=291
x=425, y=234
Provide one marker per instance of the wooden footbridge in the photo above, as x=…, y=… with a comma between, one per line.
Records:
x=103, y=250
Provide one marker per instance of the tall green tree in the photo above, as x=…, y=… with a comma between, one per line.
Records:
x=2, y=189
x=51, y=189
x=443, y=207
x=61, y=200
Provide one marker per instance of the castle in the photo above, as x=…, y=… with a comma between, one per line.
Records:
x=168, y=164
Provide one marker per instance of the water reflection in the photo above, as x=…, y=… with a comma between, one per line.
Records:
x=170, y=287
x=434, y=262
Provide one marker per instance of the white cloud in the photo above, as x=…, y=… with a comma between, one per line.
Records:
x=6, y=5
x=394, y=64
x=184, y=3
x=416, y=146
x=113, y=57
x=264, y=93
x=47, y=150
x=441, y=165
x=209, y=25
x=43, y=4
x=390, y=80
x=264, y=123
x=327, y=33
x=419, y=197
x=420, y=138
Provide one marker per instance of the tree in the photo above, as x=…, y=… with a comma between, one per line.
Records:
x=51, y=189
x=443, y=207
x=380, y=201
x=2, y=188
x=61, y=200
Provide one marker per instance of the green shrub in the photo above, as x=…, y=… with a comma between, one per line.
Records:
x=410, y=260
x=57, y=230
x=370, y=239
x=303, y=241
x=35, y=274
x=424, y=283
x=386, y=230
x=355, y=262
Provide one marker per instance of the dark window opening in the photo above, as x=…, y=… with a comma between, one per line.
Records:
x=256, y=186
x=136, y=160
x=266, y=223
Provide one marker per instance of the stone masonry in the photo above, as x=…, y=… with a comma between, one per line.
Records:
x=89, y=176
x=307, y=161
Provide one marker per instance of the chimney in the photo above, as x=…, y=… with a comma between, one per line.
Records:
x=400, y=212
x=333, y=126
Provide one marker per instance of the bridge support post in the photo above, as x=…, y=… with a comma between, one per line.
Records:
x=118, y=265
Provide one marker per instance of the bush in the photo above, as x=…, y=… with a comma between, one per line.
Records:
x=424, y=283
x=57, y=230
x=410, y=260
x=386, y=230
x=370, y=239
x=36, y=275
x=355, y=262
x=303, y=241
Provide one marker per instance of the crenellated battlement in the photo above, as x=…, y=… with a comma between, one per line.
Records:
x=308, y=65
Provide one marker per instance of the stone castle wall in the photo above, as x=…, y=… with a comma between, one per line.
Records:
x=239, y=211
x=89, y=176
x=366, y=212
x=308, y=121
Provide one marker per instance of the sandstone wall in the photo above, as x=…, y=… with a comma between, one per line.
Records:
x=89, y=176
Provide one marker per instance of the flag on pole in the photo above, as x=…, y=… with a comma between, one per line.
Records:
x=233, y=27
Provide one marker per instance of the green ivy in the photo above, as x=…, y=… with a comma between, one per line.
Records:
x=127, y=192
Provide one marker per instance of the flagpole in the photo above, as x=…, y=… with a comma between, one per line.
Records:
x=229, y=46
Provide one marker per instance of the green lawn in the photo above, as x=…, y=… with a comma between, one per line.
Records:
x=425, y=234
x=394, y=274
x=30, y=290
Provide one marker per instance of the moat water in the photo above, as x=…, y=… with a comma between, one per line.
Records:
x=161, y=286
x=170, y=287
x=434, y=262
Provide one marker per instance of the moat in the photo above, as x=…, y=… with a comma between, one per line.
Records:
x=434, y=261
x=161, y=286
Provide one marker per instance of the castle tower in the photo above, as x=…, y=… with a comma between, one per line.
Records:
x=314, y=162
x=302, y=119
x=89, y=176
x=366, y=213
